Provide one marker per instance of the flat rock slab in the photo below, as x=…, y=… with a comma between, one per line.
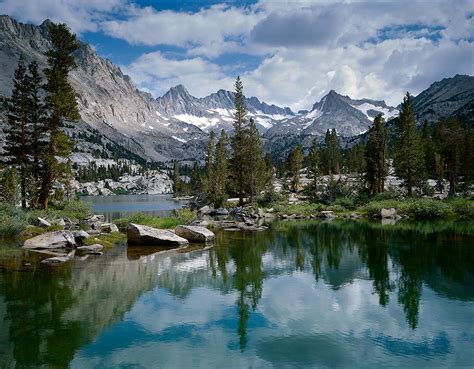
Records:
x=58, y=259
x=51, y=240
x=91, y=248
x=148, y=236
x=194, y=233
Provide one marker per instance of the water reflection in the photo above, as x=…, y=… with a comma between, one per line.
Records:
x=311, y=294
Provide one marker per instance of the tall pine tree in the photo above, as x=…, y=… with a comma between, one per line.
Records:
x=18, y=131
x=221, y=170
x=376, y=156
x=314, y=164
x=408, y=155
x=255, y=161
x=60, y=104
x=239, y=142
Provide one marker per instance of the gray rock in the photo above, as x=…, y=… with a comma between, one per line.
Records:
x=109, y=228
x=67, y=223
x=222, y=211
x=355, y=216
x=80, y=236
x=388, y=213
x=148, y=236
x=51, y=240
x=327, y=214
x=260, y=213
x=40, y=222
x=205, y=210
x=91, y=248
x=94, y=221
x=194, y=233
x=58, y=259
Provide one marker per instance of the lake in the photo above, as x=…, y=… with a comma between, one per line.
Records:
x=119, y=206
x=302, y=294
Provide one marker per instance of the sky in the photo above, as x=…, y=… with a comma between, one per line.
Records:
x=287, y=52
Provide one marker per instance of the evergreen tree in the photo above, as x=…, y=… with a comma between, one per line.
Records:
x=177, y=183
x=238, y=142
x=452, y=151
x=356, y=161
x=60, y=104
x=254, y=161
x=295, y=161
x=36, y=119
x=314, y=164
x=18, y=131
x=221, y=170
x=428, y=149
x=408, y=156
x=331, y=157
x=209, y=185
x=196, y=179
x=376, y=156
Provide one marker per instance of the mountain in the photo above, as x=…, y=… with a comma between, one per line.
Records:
x=216, y=111
x=448, y=97
x=111, y=106
x=349, y=117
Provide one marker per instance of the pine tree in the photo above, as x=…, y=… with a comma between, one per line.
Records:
x=428, y=149
x=376, y=156
x=408, y=156
x=209, y=184
x=177, y=184
x=295, y=163
x=221, y=170
x=452, y=151
x=356, y=161
x=254, y=161
x=196, y=179
x=60, y=104
x=238, y=142
x=36, y=118
x=331, y=157
x=314, y=164
x=18, y=131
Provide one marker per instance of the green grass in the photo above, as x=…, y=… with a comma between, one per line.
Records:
x=183, y=216
x=303, y=209
x=107, y=240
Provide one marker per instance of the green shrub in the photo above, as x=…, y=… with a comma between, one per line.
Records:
x=182, y=216
x=345, y=203
x=373, y=208
x=12, y=220
x=391, y=194
x=303, y=209
x=429, y=208
x=462, y=207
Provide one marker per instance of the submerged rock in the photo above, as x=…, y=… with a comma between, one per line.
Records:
x=143, y=235
x=94, y=249
x=195, y=233
x=51, y=240
x=59, y=259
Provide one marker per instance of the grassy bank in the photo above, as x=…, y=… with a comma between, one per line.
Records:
x=424, y=208
x=182, y=216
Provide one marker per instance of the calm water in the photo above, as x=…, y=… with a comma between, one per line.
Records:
x=300, y=295
x=119, y=206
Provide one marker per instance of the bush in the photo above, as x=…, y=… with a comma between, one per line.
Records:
x=304, y=209
x=373, y=208
x=12, y=220
x=391, y=194
x=182, y=216
x=344, y=202
x=429, y=208
x=462, y=206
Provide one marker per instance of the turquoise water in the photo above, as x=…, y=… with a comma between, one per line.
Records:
x=300, y=295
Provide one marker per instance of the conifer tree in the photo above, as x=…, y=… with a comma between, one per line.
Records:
x=60, y=104
x=238, y=142
x=314, y=164
x=36, y=119
x=295, y=163
x=209, y=184
x=452, y=151
x=18, y=131
x=177, y=184
x=356, y=161
x=331, y=157
x=254, y=161
x=221, y=170
x=408, y=156
x=196, y=179
x=428, y=149
x=376, y=156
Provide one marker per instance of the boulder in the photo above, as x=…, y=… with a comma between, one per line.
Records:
x=51, y=240
x=80, y=236
x=67, y=223
x=205, y=210
x=194, y=233
x=148, y=236
x=260, y=213
x=388, y=213
x=327, y=214
x=58, y=259
x=91, y=248
x=109, y=228
x=222, y=211
x=94, y=221
x=59, y=222
x=41, y=222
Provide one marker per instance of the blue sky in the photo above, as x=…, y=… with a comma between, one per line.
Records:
x=288, y=52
